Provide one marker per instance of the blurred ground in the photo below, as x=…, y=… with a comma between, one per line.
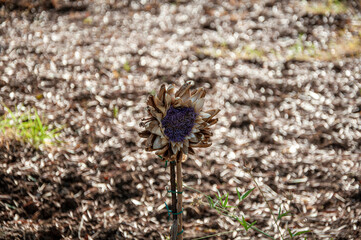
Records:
x=286, y=75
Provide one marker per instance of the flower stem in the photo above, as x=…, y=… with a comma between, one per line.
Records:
x=173, y=189
x=180, y=196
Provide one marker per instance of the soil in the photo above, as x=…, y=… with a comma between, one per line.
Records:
x=88, y=67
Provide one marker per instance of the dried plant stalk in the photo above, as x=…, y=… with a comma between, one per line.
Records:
x=174, y=198
x=180, y=196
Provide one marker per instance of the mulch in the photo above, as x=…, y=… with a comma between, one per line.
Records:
x=88, y=67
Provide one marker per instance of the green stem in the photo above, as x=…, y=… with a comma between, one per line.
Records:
x=217, y=234
x=193, y=189
x=226, y=213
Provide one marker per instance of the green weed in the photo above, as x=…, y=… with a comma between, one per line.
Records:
x=221, y=204
x=249, y=52
x=27, y=127
x=153, y=92
x=126, y=66
x=303, y=50
x=115, y=111
x=88, y=20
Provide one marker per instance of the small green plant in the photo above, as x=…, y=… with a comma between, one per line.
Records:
x=126, y=66
x=281, y=215
x=224, y=44
x=303, y=50
x=250, y=52
x=27, y=127
x=115, y=111
x=153, y=92
x=222, y=206
x=88, y=20
x=295, y=234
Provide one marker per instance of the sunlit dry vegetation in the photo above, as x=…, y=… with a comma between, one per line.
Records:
x=325, y=6
x=343, y=44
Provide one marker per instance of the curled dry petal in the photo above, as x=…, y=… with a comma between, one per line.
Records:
x=167, y=100
x=161, y=92
x=150, y=140
x=187, y=103
x=186, y=95
x=207, y=134
x=174, y=148
x=157, y=102
x=144, y=134
x=212, y=112
x=191, y=151
x=201, y=145
x=150, y=101
x=162, y=151
x=170, y=89
x=183, y=89
x=198, y=105
x=199, y=120
x=197, y=94
x=158, y=143
x=185, y=150
x=204, y=115
x=213, y=121
x=203, y=93
x=154, y=113
x=156, y=130
x=193, y=138
x=177, y=102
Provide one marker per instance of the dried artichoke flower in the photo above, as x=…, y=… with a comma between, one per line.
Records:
x=176, y=123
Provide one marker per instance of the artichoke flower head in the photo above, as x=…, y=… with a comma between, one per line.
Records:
x=176, y=123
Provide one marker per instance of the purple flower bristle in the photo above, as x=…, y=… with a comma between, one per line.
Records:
x=178, y=123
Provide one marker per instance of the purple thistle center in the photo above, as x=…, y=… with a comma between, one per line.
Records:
x=178, y=123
